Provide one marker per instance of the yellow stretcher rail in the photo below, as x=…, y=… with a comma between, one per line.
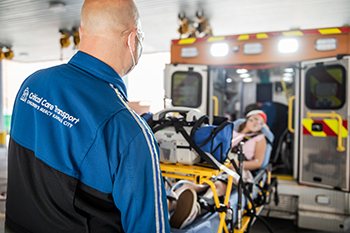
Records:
x=200, y=175
x=340, y=124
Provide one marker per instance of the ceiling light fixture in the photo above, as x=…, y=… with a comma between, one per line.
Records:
x=247, y=80
x=288, y=70
x=229, y=80
x=57, y=7
x=245, y=75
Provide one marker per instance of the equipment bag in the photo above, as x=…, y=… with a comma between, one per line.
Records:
x=215, y=140
x=203, y=138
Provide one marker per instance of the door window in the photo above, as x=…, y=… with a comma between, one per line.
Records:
x=325, y=87
x=186, y=89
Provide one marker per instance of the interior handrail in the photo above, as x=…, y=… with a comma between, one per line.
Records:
x=340, y=125
x=216, y=105
x=290, y=115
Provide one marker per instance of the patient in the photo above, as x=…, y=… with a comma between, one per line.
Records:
x=187, y=207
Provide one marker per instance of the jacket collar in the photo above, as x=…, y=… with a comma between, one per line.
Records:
x=100, y=70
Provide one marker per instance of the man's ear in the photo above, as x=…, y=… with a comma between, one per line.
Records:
x=80, y=32
x=131, y=39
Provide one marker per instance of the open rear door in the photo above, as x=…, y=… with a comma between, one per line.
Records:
x=324, y=145
x=188, y=86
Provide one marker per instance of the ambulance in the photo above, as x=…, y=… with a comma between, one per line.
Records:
x=300, y=79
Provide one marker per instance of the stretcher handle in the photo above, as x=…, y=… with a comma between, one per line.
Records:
x=340, y=125
x=192, y=113
x=216, y=105
x=290, y=115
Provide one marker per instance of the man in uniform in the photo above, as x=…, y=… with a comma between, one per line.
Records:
x=80, y=160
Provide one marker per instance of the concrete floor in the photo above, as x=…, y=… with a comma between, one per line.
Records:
x=3, y=182
x=281, y=226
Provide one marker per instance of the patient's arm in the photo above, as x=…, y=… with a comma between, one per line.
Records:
x=256, y=163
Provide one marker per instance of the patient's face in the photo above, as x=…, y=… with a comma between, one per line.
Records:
x=255, y=122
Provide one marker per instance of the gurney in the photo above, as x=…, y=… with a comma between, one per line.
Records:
x=228, y=215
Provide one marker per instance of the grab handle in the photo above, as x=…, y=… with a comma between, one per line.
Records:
x=340, y=124
x=290, y=115
x=216, y=105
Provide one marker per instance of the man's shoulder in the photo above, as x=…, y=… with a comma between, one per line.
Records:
x=129, y=122
x=51, y=73
x=52, y=69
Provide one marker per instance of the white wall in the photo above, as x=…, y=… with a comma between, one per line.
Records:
x=145, y=82
x=14, y=73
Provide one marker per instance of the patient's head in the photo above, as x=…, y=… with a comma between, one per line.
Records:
x=255, y=120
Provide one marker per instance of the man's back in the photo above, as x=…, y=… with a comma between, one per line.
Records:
x=70, y=130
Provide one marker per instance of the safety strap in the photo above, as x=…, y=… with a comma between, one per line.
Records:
x=179, y=128
x=245, y=138
x=162, y=126
x=268, y=141
x=203, y=119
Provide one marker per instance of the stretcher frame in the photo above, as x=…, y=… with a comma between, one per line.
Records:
x=202, y=174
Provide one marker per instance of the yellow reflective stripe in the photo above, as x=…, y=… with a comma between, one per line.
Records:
x=333, y=125
x=187, y=41
x=215, y=38
x=336, y=74
x=329, y=31
x=313, y=82
x=307, y=123
x=318, y=134
x=243, y=37
x=336, y=101
x=293, y=33
x=262, y=36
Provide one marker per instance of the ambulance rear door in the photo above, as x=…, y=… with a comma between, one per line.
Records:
x=324, y=113
x=187, y=86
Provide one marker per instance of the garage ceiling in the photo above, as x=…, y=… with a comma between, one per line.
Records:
x=31, y=27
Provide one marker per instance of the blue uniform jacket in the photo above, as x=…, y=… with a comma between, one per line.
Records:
x=80, y=160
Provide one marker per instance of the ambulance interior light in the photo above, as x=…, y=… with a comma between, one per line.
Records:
x=287, y=74
x=288, y=45
x=326, y=44
x=219, y=49
x=241, y=71
x=244, y=75
x=289, y=70
x=247, y=80
x=287, y=79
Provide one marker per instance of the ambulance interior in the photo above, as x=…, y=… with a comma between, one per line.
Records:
x=270, y=89
x=238, y=90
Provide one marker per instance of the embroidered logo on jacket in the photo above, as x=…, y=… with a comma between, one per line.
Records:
x=25, y=94
x=51, y=110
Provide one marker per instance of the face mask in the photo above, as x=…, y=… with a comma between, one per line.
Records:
x=258, y=125
x=139, y=37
